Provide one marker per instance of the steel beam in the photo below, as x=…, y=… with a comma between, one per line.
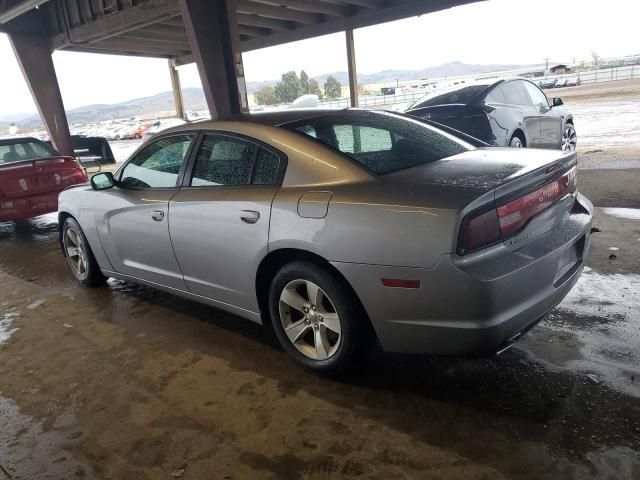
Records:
x=19, y=8
x=270, y=23
x=351, y=68
x=110, y=26
x=177, y=90
x=364, y=18
x=280, y=13
x=34, y=57
x=212, y=29
x=313, y=6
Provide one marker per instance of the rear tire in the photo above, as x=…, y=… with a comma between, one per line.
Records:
x=517, y=141
x=317, y=321
x=80, y=258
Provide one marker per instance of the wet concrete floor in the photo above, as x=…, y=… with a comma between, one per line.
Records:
x=127, y=382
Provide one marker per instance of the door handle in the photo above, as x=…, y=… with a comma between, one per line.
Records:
x=157, y=215
x=249, y=216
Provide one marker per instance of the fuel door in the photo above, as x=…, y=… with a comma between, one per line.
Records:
x=314, y=204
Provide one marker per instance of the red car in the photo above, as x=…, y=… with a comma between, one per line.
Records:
x=32, y=174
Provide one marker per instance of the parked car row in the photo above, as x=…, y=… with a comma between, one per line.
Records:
x=555, y=83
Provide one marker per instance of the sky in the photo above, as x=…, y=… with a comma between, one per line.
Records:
x=491, y=32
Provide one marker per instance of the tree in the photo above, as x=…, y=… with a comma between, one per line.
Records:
x=289, y=88
x=596, y=58
x=332, y=87
x=266, y=96
x=304, y=81
x=315, y=88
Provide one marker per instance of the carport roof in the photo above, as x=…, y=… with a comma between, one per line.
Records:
x=154, y=28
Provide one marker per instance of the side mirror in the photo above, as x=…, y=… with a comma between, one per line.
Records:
x=102, y=181
x=557, y=102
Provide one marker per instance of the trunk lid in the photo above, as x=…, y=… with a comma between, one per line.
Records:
x=482, y=170
x=501, y=194
x=38, y=176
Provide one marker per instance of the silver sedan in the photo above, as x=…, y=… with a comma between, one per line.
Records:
x=340, y=229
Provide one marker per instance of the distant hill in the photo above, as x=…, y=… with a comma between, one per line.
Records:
x=452, y=69
x=194, y=97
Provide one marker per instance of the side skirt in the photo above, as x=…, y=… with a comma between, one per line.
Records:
x=249, y=315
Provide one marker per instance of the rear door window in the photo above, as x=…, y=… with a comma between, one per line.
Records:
x=496, y=96
x=515, y=93
x=228, y=160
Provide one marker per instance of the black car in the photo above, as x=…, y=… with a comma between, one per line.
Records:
x=513, y=112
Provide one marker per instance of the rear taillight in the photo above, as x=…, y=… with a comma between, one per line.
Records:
x=479, y=231
x=488, y=227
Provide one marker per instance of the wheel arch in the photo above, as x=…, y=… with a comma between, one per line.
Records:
x=276, y=259
x=519, y=132
x=62, y=216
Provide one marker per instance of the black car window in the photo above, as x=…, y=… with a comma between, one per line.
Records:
x=515, y=93
x=538, y=98
x=157, y=165
x=448, y=96
x=496, y=96
x=227, y=160
x=24, y=149
x=383, y=142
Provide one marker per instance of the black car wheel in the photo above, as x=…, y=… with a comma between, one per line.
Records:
x=317, y=320
x=569, y=138
x=516, y=142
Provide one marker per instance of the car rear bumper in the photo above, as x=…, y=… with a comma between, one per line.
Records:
x=28, y=207
x=479, y=307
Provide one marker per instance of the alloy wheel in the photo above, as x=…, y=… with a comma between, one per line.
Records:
x=516, y=142
x=569, y=138
x=309, y=319
x=76, y=252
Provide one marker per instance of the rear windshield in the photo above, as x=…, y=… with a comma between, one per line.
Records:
x=448, y=96
x=381, y=142
x=24, y=149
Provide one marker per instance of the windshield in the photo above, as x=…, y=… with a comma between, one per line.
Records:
x=448, y=96
x=17, y=150
x=381, y=142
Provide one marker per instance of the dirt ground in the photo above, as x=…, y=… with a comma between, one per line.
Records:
x=126, y=382
x=598, y=91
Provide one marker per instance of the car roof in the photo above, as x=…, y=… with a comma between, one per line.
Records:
x=279, y=117
x=14, y=140
x=276, y=118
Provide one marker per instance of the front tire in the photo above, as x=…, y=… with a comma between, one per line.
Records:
x=317, y=320
x=79, y=255
x=569, y=138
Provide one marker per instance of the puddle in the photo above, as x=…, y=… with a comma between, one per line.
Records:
x=28, y=452
x=596, y=331
x=605, y=295
x=628, y=213
x=6, y=324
